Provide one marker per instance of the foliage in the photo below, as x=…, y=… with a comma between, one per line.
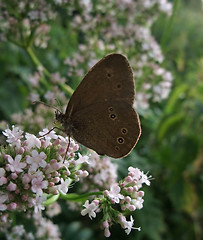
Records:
x=47, y=59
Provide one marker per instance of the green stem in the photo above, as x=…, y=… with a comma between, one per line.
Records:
x=169, y=25
x=66, y=88
x=51, y=200
x=36, y=60
x=79, y=198
x=37, y=63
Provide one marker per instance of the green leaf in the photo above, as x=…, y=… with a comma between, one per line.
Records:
x=170, y=124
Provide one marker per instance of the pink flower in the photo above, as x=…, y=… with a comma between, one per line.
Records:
x=11, y=187
x=38, y=184
x=114, y=193
x=107, y=233
x=37, y=160
x=3, y=180
x=12, y=206
x=134, y=172
x=15, y=165
x=26, y=178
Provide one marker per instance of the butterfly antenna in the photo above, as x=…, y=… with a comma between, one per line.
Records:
x=45, y=104
x=59, y=103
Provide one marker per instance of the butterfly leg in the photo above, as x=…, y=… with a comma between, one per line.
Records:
x=51, y=131
x=67, y=148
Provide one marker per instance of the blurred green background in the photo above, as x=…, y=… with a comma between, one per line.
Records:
x=171, y=145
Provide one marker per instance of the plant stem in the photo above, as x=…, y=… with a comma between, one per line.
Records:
x=169, y=25
x=77, y=197
x=66, y=88
x=36, y=61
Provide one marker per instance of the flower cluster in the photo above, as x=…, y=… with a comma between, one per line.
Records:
x=32, y=167
x=126, y=194
x=32, y=121
x=103, y=173
x=20, y=20
x=124, y=27
x=124, y=32
x=50, y=95
x=45, y=229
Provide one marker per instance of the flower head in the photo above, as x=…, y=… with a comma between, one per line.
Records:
x=16, y=165
x=13, y=136
x=32, y=141
x=90, y=209
x=114, y=193
x=63, y=187
x=37, y=160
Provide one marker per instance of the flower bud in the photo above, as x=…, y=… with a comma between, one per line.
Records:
x=11, y=187
x=12, y=206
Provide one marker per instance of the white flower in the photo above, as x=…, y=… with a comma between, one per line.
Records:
x=136, y=172
x=16, y=165
x=64, y=141
x=32, y=141
x=49, y=96
x=63, y=187
x=49, y=136
x=128, y=225
x=38, y=203
x=34, y=97
x=138, y=203
x=2, y=172
x=3, y=198
x=38, y=184
x=145, y=179
x=89, y=209
x=37, y=160
x=114, y=193
x=53, y=209
x=13, y=136
x=82, y=159
x=19, y=230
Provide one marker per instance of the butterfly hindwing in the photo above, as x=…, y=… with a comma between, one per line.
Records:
x=112, y=128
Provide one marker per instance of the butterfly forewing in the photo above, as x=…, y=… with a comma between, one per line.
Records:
x=110, y=79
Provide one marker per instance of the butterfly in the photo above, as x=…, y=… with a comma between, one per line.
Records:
x=100, y=113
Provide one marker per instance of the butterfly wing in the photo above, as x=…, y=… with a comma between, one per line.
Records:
x=111, y=128
x=110, y=79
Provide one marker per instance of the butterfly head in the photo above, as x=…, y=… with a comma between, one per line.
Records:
x=60, y=117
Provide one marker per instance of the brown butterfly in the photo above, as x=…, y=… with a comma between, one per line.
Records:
x=100, y=113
